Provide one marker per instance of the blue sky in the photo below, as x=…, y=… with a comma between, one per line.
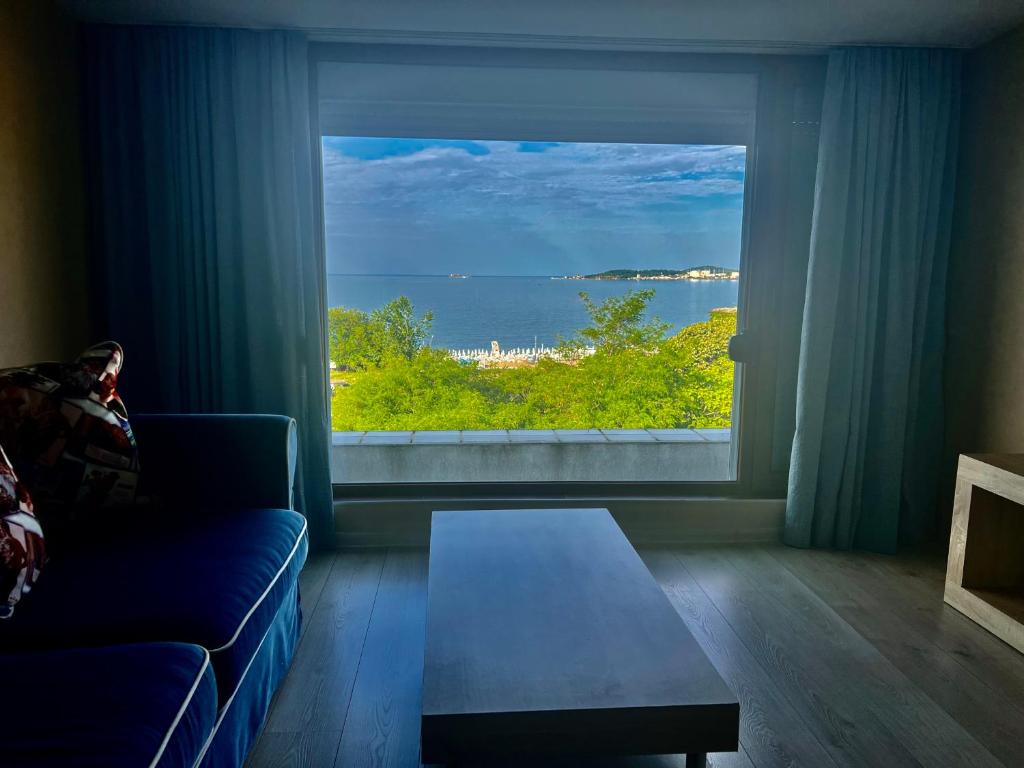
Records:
x=429, y=206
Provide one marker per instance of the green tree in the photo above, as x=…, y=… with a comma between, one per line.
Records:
x=349, y=338
x=618, y=322
x=357, y=340
x=709, y=371
x=708, y=341
x=429, y=391
x=396, y=331
x=636, y=378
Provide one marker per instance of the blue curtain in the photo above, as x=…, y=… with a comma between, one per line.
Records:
x=208, y=232
x=866, y=452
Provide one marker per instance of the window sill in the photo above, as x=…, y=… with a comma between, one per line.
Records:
x=508, y=456
x=542, y=436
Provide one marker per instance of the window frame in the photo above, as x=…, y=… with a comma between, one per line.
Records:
x=778, y=186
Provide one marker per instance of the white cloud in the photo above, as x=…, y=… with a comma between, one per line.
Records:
x=610, y=178
x=572, y=199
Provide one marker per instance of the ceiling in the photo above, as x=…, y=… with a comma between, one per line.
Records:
x=669, y=24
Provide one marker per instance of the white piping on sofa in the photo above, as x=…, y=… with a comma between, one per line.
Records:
x=181, y=710
x=248, y=615
x=231, y=699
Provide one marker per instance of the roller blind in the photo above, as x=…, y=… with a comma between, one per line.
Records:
x=432, y=94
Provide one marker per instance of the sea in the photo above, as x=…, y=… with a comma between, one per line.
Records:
x=471, y=312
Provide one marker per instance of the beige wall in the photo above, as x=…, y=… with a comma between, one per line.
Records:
x=985, y=354
x=43, y=306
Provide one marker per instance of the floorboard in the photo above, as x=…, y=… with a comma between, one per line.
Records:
x=311, y=584
x=925, y=730
x=296, y=749
x=317, y=691
x=799, y=664
x=838, y=659
x=383, y=723
x=771, y=730
x=988, y=714
x=915, y=590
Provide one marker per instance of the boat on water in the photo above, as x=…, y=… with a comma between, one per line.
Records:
x=457, y=276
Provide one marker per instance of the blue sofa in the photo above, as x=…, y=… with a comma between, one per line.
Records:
x=157, y=637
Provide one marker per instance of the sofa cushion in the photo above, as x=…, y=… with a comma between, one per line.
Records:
x=213, y=579
x=22, y=551
x=129, y=705
x=66, y=431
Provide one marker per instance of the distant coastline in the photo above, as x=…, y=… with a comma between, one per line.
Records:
x=703, y=272
x=520, y=311
x=611, y=274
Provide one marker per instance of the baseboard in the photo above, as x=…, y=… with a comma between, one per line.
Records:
x=655, y=520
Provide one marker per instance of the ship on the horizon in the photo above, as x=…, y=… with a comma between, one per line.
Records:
x=457, y=276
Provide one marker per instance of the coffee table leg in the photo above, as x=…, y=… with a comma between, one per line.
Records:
x=696, y=760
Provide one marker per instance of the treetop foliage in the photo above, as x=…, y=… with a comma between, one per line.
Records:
x=359, y=340
x=388, y=379
x=618, y=323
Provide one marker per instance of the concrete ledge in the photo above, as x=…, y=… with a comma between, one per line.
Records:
x=509, y=456
x=458, y=437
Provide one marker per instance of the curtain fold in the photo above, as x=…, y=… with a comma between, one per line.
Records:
x=866, y=451
x=207, y=228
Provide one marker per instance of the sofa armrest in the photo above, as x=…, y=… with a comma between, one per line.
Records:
x=222, y=460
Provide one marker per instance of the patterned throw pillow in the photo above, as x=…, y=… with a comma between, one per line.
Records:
x=67, y=433
x=21, y=540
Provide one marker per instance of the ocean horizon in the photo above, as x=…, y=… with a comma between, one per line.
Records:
x=520, y=310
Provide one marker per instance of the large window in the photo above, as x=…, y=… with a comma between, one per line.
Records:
x=493, y=285
x=537, y=259
x=585, y=290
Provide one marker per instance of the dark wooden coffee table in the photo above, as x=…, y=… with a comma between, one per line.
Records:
x=547, y=637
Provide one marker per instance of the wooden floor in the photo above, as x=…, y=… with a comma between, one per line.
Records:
x=837, y=660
